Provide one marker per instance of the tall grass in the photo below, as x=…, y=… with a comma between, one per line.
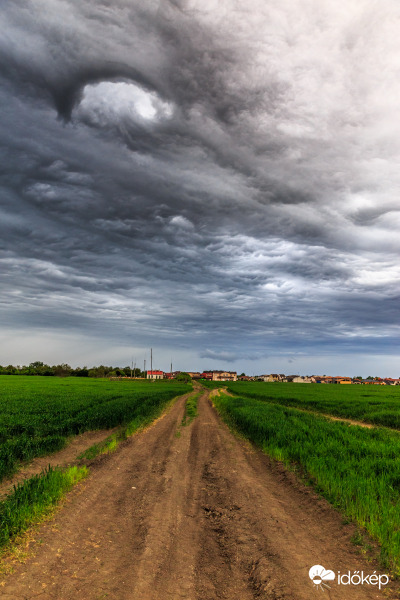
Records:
x=32, y=499
x=356, y=469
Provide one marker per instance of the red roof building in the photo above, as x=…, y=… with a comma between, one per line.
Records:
x=155, y=375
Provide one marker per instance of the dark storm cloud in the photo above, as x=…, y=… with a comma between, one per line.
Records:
x=222, y=177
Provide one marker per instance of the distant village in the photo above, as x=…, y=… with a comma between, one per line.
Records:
x=273, y=377
x=133, y=372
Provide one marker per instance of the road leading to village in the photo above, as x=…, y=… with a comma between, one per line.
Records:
x=188, y=512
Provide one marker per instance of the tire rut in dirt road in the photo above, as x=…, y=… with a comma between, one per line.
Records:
x=230, y=535
x=187, y=512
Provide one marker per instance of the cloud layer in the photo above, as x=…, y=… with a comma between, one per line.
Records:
x=217, y=180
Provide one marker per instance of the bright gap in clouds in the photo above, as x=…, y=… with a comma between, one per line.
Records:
x=109, y=101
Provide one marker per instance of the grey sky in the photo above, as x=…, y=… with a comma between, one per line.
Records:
x=217, y=180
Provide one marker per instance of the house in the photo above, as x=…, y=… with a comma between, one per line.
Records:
x=390, y=381
x=272, y=377
x=194, y=374
x=170, y=375
x=206, y=375
x=342, y=380
x=224, y=375
x=155, y=375
x=322, y=379
x=261, y=377
x=300, y=379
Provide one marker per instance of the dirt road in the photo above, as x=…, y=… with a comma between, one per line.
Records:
x=193, y=513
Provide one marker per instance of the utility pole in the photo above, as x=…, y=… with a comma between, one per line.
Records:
x=171, y=368
x=151, y=361
x=131, y=368
x=144, y=368
x=134, y=369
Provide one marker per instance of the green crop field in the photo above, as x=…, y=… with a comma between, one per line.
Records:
x=379, y=405
x=356, y=469
x=37, y=414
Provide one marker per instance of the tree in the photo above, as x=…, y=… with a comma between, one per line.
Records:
x=10, y=370
x=84, y=372
x=36, y=365
x=183, y=376
x=62, y=370
x=101, y=371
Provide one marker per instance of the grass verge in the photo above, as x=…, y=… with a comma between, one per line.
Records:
x=190, y=409
x=354, y=468
x=32, y=500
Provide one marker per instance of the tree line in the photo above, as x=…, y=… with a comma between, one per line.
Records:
x=65, y=370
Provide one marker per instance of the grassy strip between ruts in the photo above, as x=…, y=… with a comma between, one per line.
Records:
x=190, y=409
x=356, y=469
x=33, y=499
